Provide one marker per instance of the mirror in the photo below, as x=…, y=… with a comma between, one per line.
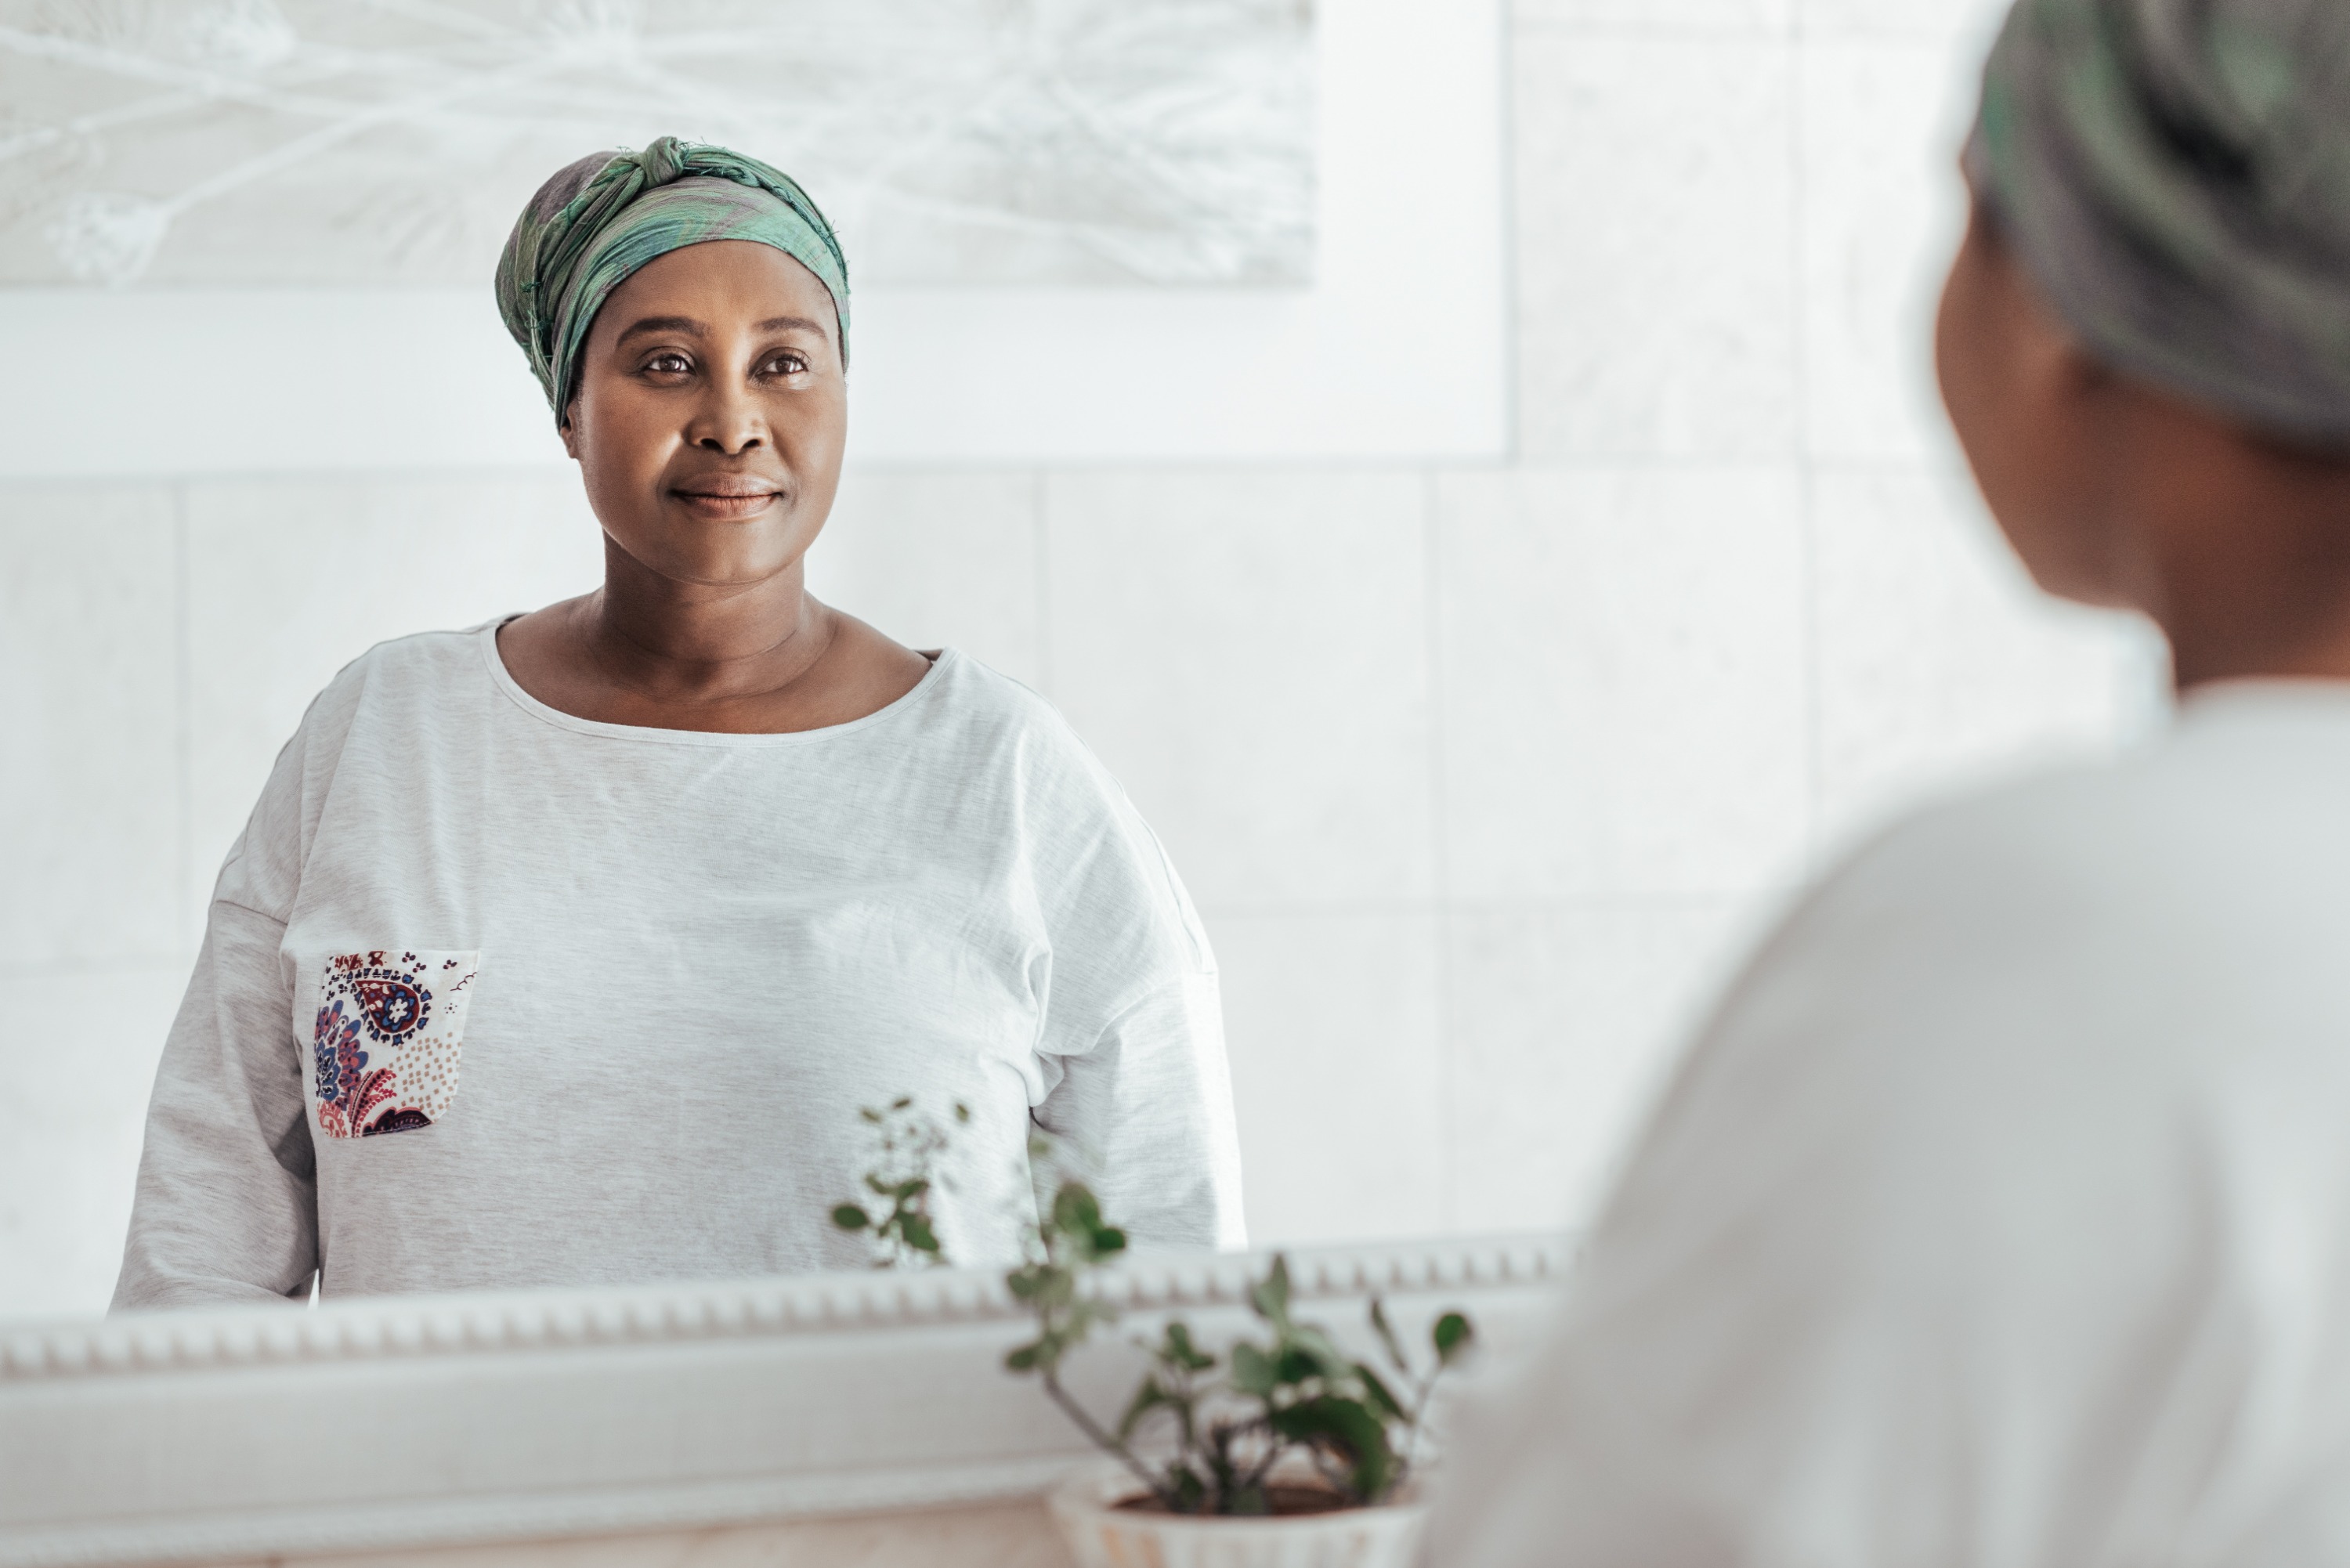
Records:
x=1493, y=629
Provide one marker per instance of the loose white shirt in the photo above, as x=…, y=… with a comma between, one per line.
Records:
x=2002, y=1216
x=495, y=996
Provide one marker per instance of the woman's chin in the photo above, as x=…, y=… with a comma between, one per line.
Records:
x=715, y=562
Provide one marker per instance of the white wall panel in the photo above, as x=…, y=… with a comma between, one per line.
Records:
x=1565, y=1021
x=1962, y=24
x=1248, y=653
x=936, y=560
x=1655, y=254
x=1695, y=16
x=1883, y=207
x=1337, y=1071
x=90, y=731
x=1938, y=662
x=78, y=1052
x=1622, y=653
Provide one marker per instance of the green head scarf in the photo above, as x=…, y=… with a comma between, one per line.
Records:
x=600, y=219
x=2175, y=175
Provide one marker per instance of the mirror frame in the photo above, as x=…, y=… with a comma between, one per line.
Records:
x=410, y=1422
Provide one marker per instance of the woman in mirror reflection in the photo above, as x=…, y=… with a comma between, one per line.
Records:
x=567, y=949
x=2001, y=1213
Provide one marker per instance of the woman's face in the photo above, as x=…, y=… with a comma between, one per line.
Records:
x=712, y=410
x=2030, y=412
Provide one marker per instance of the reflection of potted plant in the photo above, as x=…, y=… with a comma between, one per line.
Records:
x=910, y=1146
x=1286, y=1454
x=1293, y=1452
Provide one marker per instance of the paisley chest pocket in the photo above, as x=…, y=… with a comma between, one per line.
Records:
x=384, y=1050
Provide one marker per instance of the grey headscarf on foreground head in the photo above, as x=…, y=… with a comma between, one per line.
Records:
x=2175, y=175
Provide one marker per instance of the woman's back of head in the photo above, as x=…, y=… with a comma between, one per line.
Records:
x=2145, y=345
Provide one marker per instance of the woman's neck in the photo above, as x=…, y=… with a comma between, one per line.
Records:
x=2237, y=548
x=670, y=641
x=753, y=658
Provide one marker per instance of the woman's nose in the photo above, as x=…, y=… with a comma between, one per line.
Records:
x=729, y=420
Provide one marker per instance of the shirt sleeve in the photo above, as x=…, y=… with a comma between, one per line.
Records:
x=1147, y=1115
x=1919, y=1260
x=1138, y=1095
x=226, y=1203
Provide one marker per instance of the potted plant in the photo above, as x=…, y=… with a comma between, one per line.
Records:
x=1283, y=1452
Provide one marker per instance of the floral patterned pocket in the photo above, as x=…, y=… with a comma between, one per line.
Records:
x=385, y=1044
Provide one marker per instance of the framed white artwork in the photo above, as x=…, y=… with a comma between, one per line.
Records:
x=1098, y=230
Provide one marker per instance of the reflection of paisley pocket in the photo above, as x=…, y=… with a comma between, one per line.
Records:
x=385, y=1044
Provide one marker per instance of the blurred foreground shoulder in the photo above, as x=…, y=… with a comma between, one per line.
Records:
x=1969, y=1165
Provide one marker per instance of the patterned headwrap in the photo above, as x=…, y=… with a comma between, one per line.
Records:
x=600, y=219
x=2175, y=175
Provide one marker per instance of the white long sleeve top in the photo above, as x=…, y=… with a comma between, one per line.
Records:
x=493, y=996
x=2001, y=1217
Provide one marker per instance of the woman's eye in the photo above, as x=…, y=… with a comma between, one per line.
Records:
x=784, y=364
x=668, y=364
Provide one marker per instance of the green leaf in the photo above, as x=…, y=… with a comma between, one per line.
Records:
x=1270, y=1295
x=918, y=1233
x=1075, y=1211
x=1248, y=1503
x=963, y=1112
x=870, y=1114
x=1190, y=1491
x=849, y=1217
x=902, y=1102
x=1377, y=1396
x=1179, y=1351
x=1107, y=1239
x=1024, y=1359
x=1452, y=1335
x=1253, y=1370
x=1328, y=1360
x=877, y=1187
x=1386, y=1336
x=913, y=1187
x=1350, y=1432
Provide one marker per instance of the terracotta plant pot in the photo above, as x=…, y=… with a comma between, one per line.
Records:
x=1101, y=1534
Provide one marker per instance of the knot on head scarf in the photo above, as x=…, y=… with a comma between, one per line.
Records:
x=600, y=219
x=2175, y=175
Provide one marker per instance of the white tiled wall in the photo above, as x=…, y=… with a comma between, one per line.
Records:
x=1623, y=658
x=1250, y=653
x=1480, y=776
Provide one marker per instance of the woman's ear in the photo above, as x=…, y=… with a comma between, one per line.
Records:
x=570, y=431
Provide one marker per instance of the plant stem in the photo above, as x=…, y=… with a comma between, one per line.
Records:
x=1411, y=1455
x=1274, y=1448
x=1104, y=1441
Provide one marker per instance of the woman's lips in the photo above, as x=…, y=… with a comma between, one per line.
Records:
x=730, y=503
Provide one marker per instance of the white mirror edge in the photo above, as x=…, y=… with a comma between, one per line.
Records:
x=410, y=1422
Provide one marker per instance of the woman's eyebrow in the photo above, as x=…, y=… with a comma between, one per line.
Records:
x=685, y=325
x=782, y=323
